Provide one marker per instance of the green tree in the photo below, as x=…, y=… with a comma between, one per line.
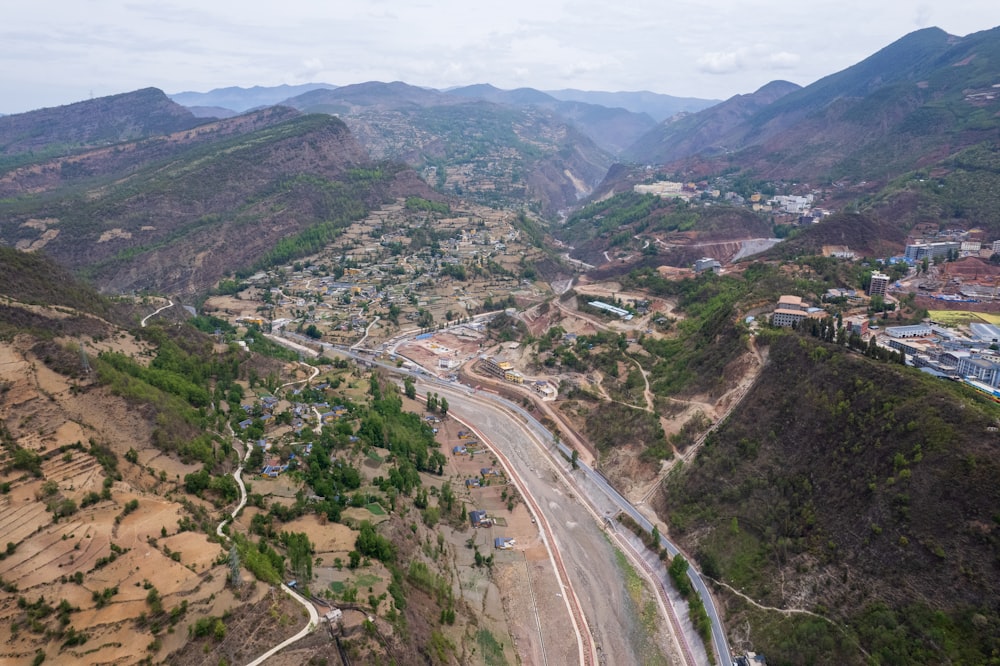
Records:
x=299, y=554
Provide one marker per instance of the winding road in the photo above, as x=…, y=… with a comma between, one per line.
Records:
x=502, y=422
x=575, y=526
x=169, y=304
x=310, y=608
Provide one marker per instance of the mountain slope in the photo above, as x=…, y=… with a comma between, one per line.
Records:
x=706, y=130
x=858, y=490
x=613, y=129
x=183, y=211
x=90, y=165
x=491, y=153
x=105, y=120
x=914, y=102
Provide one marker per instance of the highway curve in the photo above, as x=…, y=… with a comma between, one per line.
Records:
x=586, y=553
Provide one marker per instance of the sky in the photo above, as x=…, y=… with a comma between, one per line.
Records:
x=61, y=51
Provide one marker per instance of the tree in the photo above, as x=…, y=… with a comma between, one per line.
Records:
x=299, y=553
x=443, y=406
x=655, y=536
x=409, y=388
x=575, y=459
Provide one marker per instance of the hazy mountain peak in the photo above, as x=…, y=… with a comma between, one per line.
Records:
x=244, y=99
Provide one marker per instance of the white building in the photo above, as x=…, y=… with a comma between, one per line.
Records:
x=914, y=331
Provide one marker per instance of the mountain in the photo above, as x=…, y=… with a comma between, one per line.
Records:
x=102, y=121
x=692, y=133
x=239, y=99
x=163, y=213
x=656, y=105
x=861, y=492
x=44, y=176
x=916, y=101
x=613, y=129
x=212, y=112
x=492, y=153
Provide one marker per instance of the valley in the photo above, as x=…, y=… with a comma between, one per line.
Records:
x=380, y=373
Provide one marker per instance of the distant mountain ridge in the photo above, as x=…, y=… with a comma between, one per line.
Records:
x=112, y=119
x=493, y=153
x=240, y=99
x=656, y=105
x=921, y=98
x=614, y=120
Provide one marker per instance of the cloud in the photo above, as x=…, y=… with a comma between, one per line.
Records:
x=720, y=62
x=758, y=57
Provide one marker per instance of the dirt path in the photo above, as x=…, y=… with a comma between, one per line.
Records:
x=789, y=612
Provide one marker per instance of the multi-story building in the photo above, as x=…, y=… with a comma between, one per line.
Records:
x=917, y=251
x=981, y=369
x=879, y=284
x=790, y=311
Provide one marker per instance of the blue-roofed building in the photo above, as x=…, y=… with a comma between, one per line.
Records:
x=478, y=518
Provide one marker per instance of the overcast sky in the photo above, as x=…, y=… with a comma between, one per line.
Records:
x=60, y=51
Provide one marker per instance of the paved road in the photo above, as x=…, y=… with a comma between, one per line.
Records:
x=613, y=501
x=306, y=630
x=590, y=558
x=238, y=475
x=587, y=555
x=606, y=498
x=169, y=304
x=310, y=608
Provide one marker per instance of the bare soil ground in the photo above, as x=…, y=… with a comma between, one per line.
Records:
x=44, y=412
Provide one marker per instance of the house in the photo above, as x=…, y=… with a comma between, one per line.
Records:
x=273, y=468
x=983, y=369
x=488, y=471
x=479, y=519
x=503, y=543
x=459, y=451
x=472, y=483
x=707, y=264
x=857, y=324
